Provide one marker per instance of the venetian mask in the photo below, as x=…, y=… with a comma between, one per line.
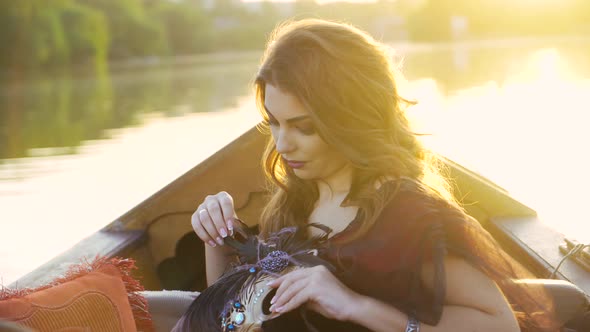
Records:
x=251, y=309
x=240, y=299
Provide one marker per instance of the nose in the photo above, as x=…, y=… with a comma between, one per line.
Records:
x=283, y=142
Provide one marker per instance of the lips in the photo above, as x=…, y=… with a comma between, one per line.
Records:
x=294, y=163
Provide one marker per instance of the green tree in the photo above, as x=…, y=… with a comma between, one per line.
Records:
x=132, y=31
x=87, y=35
x=44, y=33
x=187, y=28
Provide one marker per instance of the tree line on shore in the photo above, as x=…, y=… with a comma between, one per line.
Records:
x=48, y=33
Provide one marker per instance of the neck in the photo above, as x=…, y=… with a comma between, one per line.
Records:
x=335, y=186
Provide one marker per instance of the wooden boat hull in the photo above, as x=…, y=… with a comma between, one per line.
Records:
x=157, y=233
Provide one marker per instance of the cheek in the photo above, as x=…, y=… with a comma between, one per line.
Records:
x=318, y=149
x=329, y=156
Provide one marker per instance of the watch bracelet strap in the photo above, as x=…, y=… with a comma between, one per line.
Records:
x=413, y=324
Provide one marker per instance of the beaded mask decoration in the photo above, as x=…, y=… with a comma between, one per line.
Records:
x=240, y=299
x=252, y=308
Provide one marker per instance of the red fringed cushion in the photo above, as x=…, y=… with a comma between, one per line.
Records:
x=93, y=296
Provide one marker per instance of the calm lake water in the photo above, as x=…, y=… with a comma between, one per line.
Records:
x=77, y=151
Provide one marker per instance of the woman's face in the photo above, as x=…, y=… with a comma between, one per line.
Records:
x=297, y=141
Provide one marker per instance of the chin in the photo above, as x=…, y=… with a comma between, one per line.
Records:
x=303, y=175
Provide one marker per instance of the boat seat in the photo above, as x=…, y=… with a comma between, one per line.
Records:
x=572, y=307
x=571, y=303
x=167, y=307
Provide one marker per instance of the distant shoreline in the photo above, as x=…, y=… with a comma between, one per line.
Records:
x=401, y=46
x=250, y=56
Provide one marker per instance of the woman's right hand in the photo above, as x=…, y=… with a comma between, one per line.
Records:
x=213, y=219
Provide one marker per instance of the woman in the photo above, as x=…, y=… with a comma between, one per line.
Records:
x=343, y=154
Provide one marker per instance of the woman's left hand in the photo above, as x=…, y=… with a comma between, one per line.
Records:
x=317, y=288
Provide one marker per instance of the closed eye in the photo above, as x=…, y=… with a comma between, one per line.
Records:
x=307, y=130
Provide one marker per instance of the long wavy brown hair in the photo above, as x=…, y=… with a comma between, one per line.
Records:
x=347, y=81
x=349, y=84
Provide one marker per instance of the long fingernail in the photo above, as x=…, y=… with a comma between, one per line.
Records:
x=220, y=241
x=272, y=301
x=211, y=243
x=230, y=226
x=223, y=232
x=279, y=309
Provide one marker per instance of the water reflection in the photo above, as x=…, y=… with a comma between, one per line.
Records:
x=64, y=109
x=77, y=151
x=467, y=65
x=522, y=124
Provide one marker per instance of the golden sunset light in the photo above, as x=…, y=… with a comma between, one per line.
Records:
x=199, y=146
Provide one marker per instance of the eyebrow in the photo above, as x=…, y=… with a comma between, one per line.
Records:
x=291, y=120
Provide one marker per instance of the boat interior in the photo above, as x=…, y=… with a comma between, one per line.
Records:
x=158, y=235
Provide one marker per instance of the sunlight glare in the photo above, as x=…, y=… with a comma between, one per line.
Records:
x=526, y=134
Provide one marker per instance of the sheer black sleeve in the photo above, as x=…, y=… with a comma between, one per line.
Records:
x=416, y=228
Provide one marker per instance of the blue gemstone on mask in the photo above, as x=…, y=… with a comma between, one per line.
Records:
x=231, y=327
x=252, y=270
x=237, y=305
x=240, y=318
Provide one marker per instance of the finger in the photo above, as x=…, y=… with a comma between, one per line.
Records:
x=209, y=226
x=214, y=211
x=299, y=299
x=276, y=282
x=288, y=294
x=201, y=232
x=227, y=208
x=199, y=229
x=284, y=284
x=288, y=279
x=293, y=274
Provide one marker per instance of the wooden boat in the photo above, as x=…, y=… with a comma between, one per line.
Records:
x=158, y=235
